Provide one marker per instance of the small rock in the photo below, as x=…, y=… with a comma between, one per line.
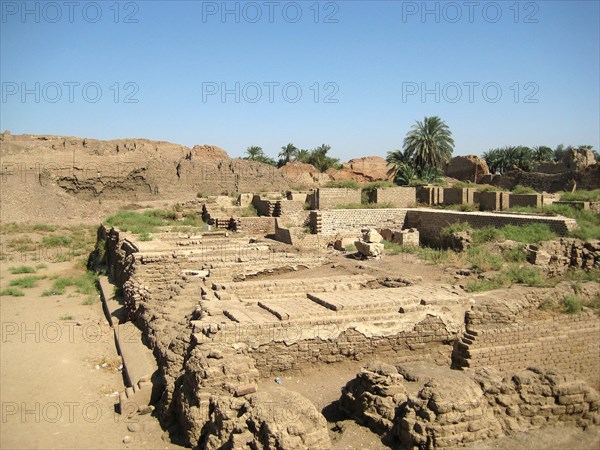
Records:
x=215, y=354
x=245, y=389
x=127, y=440
x=133, y=427
x=145, y=409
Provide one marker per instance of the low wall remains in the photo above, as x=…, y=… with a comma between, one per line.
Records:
x=327, y=198
x=496, y=336
x=331, y=222
x=431, y=222
x=400, y=197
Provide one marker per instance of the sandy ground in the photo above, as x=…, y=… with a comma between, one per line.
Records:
x=52, y=393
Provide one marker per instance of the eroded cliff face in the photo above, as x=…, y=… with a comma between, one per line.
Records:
x=40, y=170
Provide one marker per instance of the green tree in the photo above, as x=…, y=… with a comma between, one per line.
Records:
x=429, y=143
x=303, y=156
x=318, y=157
x=396, y=160
x=542, y=153
x=255, y=153
x=288, y=153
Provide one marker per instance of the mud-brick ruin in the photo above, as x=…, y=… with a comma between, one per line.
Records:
x=220, y=316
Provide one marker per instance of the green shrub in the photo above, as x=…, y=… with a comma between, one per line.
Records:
x=56, y=241
x=145, y=237
x=581, y=196
x=25, y=282
x=41, y=266
x=12, y=292
x=486, y=285
x=392, y=247
x=529, y=234
x=86, y=283
x=529, y=276
x=516, y=255
x=488, y=234
x=21, y=269
x=66, y=317
x=350, y=248
x=90, y=300
x=456, y=228
x=520, y=189
x=571, y=304
x=482, y=260
x=347, y=184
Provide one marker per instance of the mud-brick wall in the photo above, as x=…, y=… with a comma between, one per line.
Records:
x=430, y=222
x=277, y=357
x=457, y=196
x=330, y=222
x=327, y=198
x=569, y=343
x=400, y=197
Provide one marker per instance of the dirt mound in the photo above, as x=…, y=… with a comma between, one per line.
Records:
x=299, y=173
x=467, y=168
x=363, y=170
x=38, y=170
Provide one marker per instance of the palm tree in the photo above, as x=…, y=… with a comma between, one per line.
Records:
x=254, y=153
x=395, y=161
x=288, y=153
x=541, y=153
x=302, y=155
x=429, y=143
x=318, y=158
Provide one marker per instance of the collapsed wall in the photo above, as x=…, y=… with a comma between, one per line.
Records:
x=426, y=407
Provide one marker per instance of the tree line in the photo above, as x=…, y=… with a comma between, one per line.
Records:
x=427, y=149
x=318, y=156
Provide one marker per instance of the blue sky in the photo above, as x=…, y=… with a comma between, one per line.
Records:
x=351, y=76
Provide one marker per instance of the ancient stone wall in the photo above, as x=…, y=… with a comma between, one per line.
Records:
x=430, y=222
x=456, y=196
x=330, y=222
x=427, y=338
x=430, y=195
x=526, y=200
x=564, y=342
x=400, y=197
x=327, y=198
x=493, y=201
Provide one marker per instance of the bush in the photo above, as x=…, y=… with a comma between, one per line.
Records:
x=456, y=228
x=12, y=292
x=581, y=196
x=486, y=285
x=529, y=276
x=25, y=282
x=393, y=247
x=571, y=304
x=482, y=260
x=56, y=241
x=347, y=184
x=516, y=255
x=529, y=234
x=488, y=234
x=21, y=269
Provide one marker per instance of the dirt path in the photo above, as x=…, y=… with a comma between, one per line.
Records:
x=60, y=371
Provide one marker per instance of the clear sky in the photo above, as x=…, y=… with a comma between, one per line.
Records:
x=354, y=75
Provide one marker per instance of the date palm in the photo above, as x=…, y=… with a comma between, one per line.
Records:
x=429, y=143
x=254, y=153
x=288, y=153
x=395, y=161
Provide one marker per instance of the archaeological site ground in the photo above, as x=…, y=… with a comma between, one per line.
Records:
x=158, y=296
